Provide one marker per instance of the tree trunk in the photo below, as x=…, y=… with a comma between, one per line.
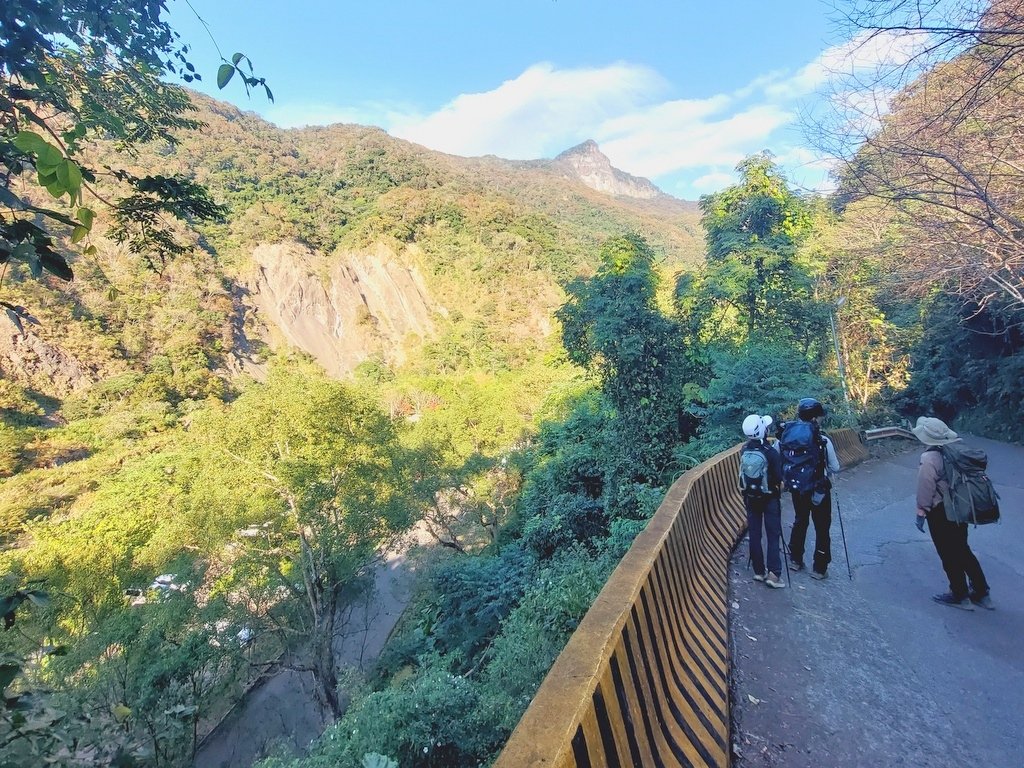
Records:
x=325, y=672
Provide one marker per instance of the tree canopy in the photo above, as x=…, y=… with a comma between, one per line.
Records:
x=611, y=325
x=74, y=73
x=753, y=283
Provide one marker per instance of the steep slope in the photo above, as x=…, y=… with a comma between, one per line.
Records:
x=485, y=242
x=351, y=245
x=439, y=274
x=369, y=304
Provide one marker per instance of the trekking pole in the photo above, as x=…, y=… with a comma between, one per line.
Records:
x=839, y=514
x=785, y=558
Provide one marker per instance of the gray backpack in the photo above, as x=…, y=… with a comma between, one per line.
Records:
x=754, y=472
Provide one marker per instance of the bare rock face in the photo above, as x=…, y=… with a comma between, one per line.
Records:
x=363, y=304
x=34, y=362
x=587, y=164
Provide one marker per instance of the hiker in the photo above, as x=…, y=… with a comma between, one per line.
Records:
x=808, y=458
x=950, y=538
x=761, y=485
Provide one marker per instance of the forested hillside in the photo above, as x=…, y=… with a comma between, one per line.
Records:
x=174, y=525
x=282, y=349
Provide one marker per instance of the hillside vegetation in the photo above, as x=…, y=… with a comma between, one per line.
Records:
x=125, y=393
x=253, y=387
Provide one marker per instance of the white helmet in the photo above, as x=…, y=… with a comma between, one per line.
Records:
x=756, y=427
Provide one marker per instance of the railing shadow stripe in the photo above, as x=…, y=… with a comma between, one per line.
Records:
x=695, y=620
x=694, y=651
x=671, y=690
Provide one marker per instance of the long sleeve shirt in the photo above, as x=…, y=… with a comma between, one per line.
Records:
x=831, y=458
x=930, y=480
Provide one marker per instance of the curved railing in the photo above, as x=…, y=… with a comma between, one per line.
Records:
x=644, y=679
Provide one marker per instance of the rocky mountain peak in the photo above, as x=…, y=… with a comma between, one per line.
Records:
x=587, y=164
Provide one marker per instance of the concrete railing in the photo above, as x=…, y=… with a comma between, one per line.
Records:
x=644, y=680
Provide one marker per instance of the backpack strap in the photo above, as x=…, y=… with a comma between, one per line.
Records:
x=948, y=471
x=819, y=437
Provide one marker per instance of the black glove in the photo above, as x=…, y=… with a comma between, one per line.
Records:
x=919, y=522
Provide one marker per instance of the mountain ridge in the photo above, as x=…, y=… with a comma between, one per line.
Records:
x=490, y=241
x=587, y=164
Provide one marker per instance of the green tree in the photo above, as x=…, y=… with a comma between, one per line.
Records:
x=72, y=73
x=756, y=378
x=321, y=472
x=873, y=325
x=752, y=284
x=967, y=365
x=611, y=325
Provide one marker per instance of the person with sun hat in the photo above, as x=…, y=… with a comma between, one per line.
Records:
x=967, y=584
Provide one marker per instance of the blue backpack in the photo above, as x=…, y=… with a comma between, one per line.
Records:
x=803, y=456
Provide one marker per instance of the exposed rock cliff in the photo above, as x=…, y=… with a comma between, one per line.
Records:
x=359, y=304
x=586, y=163
x=34, y=362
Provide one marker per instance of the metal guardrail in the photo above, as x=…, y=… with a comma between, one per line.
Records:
x=880, y=432
x=644, y=680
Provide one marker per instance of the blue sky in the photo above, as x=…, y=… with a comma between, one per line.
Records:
x=677, y=92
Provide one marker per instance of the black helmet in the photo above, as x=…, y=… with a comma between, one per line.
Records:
x=808, y=408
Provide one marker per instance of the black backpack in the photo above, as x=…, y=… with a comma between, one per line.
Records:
x=970, y=497
x=803, y=456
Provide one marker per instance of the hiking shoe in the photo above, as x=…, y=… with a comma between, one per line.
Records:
x=818, y=575
x=983, y=601
x=774, y=581
x=758, y=577
x=797, y=565
x=946, y=598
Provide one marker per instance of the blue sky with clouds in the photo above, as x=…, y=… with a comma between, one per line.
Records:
x=677, y=91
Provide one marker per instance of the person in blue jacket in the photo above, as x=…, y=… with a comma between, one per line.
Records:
x=812, y=503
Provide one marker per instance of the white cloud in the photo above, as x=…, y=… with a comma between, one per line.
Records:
x=656, y=147
x=865, y=57
x=712, y=182
x=545, y=110
x=678, y=113
x=541, y=111
x=807, y=169
x=683, y=144
x=804, y=157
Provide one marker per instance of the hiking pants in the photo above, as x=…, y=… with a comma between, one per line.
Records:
x=821, y=516
x=958, y=561
x=764, y=509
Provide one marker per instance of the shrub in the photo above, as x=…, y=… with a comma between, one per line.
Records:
x=756, y=378
x=472, y=596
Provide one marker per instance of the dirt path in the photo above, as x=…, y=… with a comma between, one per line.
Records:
x=281, y=712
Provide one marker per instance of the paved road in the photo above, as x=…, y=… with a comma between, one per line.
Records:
x=872, y=672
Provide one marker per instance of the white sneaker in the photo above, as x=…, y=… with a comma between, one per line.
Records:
x=774, y=581
x=758, y=577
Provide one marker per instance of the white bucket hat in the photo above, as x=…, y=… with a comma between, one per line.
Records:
x=932, y=431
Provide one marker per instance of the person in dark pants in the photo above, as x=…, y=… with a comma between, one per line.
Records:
x=761, y=485
x=967, y=584
x=814, y=505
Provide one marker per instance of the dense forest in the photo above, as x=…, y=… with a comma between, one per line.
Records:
x=195, y=485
